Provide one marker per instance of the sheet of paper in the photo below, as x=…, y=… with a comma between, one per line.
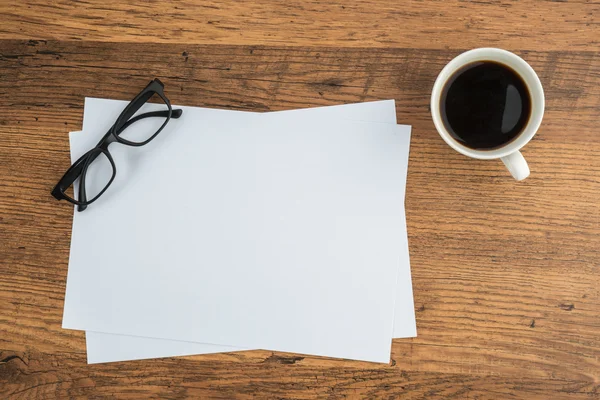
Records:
x=374, y=111
x=105, y=347
x=409, y=296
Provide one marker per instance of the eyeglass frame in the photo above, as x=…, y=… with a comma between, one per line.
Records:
x=80, y=167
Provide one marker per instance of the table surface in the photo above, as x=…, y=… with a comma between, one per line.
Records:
x=506, y=275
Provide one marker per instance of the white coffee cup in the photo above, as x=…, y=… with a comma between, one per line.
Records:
x=509, y=153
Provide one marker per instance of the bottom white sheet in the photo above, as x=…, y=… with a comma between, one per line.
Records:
x=107, y=347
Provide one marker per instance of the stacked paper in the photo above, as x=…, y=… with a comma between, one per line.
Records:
x=233, y=230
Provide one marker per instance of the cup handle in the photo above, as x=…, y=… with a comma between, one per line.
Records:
x=517, y=166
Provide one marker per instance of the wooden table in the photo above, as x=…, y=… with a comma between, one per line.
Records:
x=506, y=275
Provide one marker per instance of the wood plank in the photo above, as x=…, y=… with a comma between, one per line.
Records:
x=430, y=24
x=506, y=275
x=259, y=375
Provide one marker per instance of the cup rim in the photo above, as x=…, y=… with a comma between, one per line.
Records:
x=516, y=63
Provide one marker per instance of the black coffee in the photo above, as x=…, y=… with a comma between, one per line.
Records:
x=485, y=105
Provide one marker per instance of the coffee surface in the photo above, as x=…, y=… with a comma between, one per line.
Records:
x=485, y=105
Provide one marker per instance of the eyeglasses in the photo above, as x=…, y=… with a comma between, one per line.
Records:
x=97, y=164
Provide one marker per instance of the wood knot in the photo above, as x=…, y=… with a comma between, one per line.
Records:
x=275, y=359
x=567, y=307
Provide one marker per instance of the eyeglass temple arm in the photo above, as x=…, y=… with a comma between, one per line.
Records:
x=176, y=113
x=154, y=87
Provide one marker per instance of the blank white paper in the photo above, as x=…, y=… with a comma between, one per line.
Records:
x=107, y=347
x=288, y=350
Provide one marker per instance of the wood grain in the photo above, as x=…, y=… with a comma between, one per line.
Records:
x=506, y=275
x=431, y=24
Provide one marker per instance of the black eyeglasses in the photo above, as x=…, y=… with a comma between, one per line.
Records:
x=99, y=158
